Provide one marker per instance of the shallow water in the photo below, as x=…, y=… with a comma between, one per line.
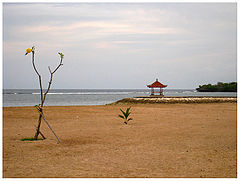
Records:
x=68, y=97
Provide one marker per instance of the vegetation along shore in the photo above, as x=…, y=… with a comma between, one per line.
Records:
x=219, y=87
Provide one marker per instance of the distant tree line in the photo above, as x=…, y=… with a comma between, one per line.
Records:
x=219, y=87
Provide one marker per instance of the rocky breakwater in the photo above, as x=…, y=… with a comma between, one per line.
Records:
x=171, y=100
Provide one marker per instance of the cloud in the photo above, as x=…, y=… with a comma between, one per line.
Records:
x=174, y=41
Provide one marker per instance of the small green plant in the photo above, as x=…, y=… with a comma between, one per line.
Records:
x=31, y=139
x=125, y=115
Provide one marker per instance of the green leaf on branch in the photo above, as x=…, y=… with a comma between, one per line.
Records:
x=61, y=55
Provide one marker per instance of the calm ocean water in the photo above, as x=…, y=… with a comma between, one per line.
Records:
x=68, y=97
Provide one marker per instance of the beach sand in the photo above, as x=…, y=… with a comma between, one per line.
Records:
x=162, y=140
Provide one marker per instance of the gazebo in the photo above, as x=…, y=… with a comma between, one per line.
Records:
x=157, y=84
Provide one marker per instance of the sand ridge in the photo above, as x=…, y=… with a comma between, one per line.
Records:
x=175, y=100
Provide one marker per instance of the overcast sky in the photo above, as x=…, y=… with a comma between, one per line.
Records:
x=118, y=45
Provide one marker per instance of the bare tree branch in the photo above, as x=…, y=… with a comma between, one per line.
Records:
x=60, y=64
x=43, y=95
x=39, y=77
x=49, y=69
x=51, y=77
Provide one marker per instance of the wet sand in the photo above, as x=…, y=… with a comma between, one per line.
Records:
x=162, y=141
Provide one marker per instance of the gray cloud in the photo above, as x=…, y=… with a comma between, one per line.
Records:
x=121, y=45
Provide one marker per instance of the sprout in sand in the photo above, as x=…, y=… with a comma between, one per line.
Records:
x=42, y=93
x=125, y=115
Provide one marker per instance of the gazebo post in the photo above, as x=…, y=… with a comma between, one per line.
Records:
x=152, y=91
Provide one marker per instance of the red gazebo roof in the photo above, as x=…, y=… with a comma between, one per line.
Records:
x=156, y=84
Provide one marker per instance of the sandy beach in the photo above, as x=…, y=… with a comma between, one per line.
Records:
x=162, y=141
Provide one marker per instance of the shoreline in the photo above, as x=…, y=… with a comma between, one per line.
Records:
x=159, y=100
x=175, y=100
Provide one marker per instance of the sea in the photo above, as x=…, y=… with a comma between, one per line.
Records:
x=75, y=97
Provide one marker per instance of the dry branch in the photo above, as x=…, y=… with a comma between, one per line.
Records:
x=43, y=95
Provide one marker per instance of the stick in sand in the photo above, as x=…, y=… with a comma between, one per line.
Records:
x=41, y=134
x=49, y=125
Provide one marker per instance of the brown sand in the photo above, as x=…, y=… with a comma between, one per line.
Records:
x=163, y=140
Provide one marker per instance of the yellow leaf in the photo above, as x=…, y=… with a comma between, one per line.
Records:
x=28, y=50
